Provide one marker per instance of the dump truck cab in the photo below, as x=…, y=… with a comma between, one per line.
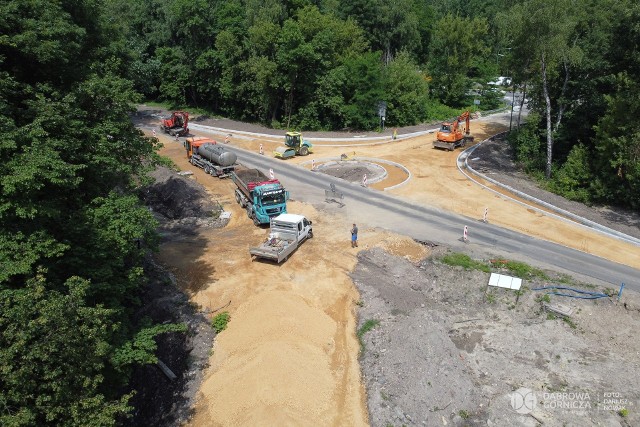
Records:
x=263, y=198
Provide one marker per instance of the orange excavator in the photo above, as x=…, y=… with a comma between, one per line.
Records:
x=452, y=135
x=176, y=124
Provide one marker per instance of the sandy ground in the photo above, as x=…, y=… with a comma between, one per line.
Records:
x=289, y=355
x=437, y=182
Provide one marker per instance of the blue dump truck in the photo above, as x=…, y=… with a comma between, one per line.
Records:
x=263, y=198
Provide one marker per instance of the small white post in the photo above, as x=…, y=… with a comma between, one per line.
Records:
x=271, y=174
x=364, y=180
x=313, y=165
x=465, y=234
x=261, y=150
x=486, y=213
x=154, y=133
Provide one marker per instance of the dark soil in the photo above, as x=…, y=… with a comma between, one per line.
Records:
x=159, y=401
x=352, y=171
x=180, y=205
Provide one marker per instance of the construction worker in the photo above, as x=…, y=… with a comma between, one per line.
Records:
x=354, y=236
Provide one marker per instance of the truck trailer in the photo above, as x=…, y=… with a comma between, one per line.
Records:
x=287, y=233
x=205, y=153
x=263, y=198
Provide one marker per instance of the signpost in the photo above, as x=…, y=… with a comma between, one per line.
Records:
x=382, y=111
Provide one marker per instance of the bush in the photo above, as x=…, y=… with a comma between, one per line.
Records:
x=528, y=145
x=523, y=270
x=366, y=327
x=574, y=177
x=219, y=323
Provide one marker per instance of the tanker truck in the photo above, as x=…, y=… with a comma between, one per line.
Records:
x=208, y=155
x=263, y=198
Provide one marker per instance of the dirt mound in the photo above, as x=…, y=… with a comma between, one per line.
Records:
x=179, y=202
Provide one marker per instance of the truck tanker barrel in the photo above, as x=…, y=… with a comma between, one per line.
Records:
x=217, y=154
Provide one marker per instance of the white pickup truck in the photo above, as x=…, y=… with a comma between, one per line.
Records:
x=288, y=231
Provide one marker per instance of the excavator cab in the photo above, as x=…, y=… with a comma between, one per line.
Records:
x=176, y=124
x=445, y=128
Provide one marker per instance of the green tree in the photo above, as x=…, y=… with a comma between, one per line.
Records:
x=574, y=176
x=73, y=233
x=54, y=350
x=406, y=91
x=455, y=44
x=362, y=91
x=540, y=38
x=618, y=146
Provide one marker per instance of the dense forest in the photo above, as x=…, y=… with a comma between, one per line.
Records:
x=74, y=233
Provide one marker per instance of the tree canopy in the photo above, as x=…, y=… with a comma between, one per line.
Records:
x=74, y=233
x=71, y=223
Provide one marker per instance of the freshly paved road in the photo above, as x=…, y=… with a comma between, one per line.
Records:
x=377, y=209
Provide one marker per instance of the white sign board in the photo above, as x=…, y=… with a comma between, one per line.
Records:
x=507, y=282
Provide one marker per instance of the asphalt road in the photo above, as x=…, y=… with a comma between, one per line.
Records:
x=370, y=208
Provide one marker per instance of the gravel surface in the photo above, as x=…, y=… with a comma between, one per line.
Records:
x=353, y=171
x=442, y=353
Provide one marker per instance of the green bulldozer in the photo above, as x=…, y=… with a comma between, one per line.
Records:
x=295, y=145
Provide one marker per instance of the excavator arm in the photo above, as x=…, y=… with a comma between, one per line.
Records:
x=450, y=134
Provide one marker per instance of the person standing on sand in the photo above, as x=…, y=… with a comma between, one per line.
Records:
x=354, y=236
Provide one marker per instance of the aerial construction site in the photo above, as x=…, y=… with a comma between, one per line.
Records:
x=407, y=328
